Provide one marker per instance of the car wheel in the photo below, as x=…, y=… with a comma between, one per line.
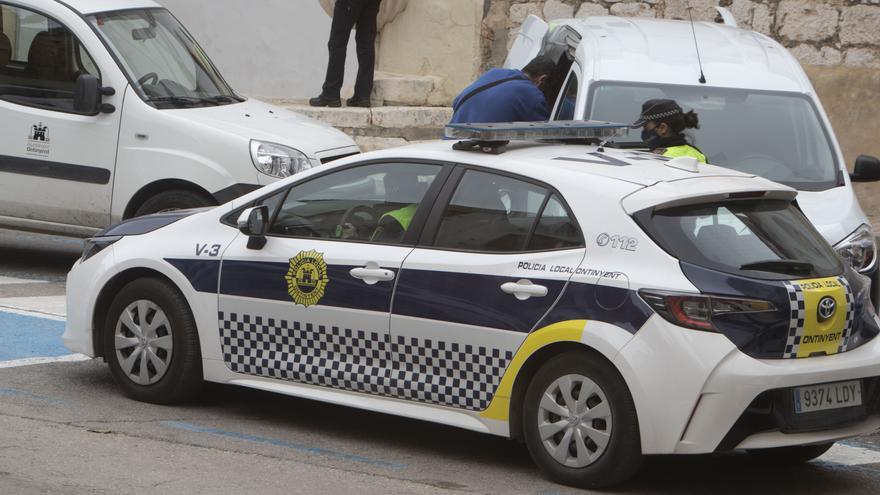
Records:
x=580, y=423
x=151, y=343
x=177, y=199
x=791, y=455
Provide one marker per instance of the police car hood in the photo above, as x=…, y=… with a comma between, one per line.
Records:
x=264, y=122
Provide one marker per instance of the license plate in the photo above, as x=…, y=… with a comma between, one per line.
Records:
x=827, y=396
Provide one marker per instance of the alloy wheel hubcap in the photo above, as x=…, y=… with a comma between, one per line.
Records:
x=574, y=421
x=143, y=342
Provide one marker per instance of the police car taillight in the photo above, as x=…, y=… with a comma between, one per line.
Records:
x=698, y=311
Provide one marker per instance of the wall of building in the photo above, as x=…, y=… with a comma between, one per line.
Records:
x=270, y=48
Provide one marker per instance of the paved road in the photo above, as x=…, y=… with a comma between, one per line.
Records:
x=64, y=428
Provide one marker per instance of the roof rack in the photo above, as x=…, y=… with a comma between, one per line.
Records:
x=494, y=137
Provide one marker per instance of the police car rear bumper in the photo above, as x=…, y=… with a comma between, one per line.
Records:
x=746, y=402
x=692, y=389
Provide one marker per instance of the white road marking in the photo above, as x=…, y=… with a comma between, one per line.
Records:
x=43, y=360
x=14, y=280
x=851, y=456
x=42, y=306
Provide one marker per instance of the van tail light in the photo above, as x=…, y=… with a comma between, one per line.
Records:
x=697, y=311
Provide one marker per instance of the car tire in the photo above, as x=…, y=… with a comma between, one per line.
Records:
x=607, y=415
x=797, y=454
x=152, y=344
x=176, y=199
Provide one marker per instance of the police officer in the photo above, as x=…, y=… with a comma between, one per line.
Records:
x=508, y=95
x=663, y=123
x=348, y=14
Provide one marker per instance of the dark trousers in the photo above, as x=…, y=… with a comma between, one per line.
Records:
x=348, y=14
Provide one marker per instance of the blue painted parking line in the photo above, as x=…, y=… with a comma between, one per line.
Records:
x=192, y=427
x=24, y=336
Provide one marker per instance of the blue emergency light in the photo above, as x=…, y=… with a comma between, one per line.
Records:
x=533, y=131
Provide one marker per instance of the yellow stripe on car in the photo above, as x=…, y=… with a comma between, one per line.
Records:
x=565, y=331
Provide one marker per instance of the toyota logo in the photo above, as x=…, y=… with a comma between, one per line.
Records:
x=827, y=306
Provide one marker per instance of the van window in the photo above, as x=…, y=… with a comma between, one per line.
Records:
x=777, y=135
x=40, y=60
x=569, y=99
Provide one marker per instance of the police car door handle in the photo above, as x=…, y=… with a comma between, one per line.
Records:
x=372, y=274
x=524, y=289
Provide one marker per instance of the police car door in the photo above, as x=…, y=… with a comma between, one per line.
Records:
x=56, y=160
x=312, y=305
x=496, y=254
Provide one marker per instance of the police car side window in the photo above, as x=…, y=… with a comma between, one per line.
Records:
x=491, y=213
x=370, y=203
x=556, y=229
x=40, y=60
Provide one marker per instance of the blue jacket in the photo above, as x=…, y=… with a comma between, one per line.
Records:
x=511, y=101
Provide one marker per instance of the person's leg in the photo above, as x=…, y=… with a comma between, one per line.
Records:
x=340, y=32
x=365, y=36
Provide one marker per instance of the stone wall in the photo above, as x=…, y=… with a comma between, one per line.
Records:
x=830, y=32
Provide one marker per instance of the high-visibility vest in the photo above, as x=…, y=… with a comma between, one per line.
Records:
x=403, y=215
x=684, y=150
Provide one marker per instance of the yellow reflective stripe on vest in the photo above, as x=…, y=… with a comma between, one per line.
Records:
x=403, y=215
x=684, y=150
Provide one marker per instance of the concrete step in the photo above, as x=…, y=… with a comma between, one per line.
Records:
x=395, y=125
x=408, y=90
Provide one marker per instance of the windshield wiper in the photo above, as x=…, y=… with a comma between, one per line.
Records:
x=180, y=100
x=794, y=267
x=224, y=99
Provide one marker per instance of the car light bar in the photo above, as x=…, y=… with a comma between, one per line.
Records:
x=533, y=131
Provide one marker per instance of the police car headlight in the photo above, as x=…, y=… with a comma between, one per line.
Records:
x=859, y=249
x=276, y=160
x=95, y=245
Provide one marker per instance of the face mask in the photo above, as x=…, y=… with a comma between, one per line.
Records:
x=650, y=138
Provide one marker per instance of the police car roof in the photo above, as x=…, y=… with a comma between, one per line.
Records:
x=87, y=7
x=587, y=168
x=662, y=52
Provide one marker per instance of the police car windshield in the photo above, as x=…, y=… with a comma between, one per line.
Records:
x=775, y=135
x=167, y=67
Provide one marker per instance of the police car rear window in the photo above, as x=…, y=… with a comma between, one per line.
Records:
x=766, y=239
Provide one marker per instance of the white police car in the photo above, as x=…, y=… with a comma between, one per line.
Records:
x=599, y=304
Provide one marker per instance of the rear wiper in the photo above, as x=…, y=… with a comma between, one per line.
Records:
x=780, y=266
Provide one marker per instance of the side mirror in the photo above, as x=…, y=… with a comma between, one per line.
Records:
x=254, y=223
x=867, y=169
x=87, y=94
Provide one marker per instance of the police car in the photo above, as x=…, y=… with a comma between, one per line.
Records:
x=599, y=304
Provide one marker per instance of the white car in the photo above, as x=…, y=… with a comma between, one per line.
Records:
x=600, y=304
x=758, y=111
x=109, y=109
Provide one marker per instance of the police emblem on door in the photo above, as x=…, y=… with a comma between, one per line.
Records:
x=307, y=278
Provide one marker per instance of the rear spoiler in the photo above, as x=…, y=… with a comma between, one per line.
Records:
x=698, y=190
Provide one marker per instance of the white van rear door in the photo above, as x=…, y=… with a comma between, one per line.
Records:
x=528, y=43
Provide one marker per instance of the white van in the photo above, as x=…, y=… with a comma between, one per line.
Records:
x=109, y=109
x=758, y=110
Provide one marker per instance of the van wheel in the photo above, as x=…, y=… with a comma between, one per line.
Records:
x=152, y=344
x=580, y=423
x=176, y=199
x=791, y=455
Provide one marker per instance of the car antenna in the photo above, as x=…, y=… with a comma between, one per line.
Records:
x=696, y=46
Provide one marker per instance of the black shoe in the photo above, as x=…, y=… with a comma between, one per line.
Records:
x=358, y=102
x=325, y=101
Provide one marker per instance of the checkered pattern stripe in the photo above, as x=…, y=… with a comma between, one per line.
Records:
x=424, y=370
x=798, y=319
x=850, y=315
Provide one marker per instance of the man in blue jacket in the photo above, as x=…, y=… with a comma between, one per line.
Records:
x=508, y=95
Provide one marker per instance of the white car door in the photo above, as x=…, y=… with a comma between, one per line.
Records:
x=312, y=305
x=527, y=44
x=496, y=260
x=56, y=164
